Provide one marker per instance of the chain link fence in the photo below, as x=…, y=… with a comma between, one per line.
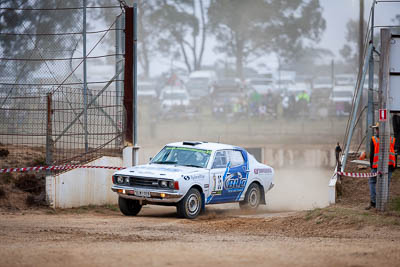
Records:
x=41, y=80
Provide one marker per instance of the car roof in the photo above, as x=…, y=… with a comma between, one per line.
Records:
x=202, y=145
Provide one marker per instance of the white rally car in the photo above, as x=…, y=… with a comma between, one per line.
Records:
x=190, y=175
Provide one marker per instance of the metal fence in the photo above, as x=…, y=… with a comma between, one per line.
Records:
x=43, y=101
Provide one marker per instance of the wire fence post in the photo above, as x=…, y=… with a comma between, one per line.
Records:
x=85, y=93
x=49, y=131
x=135, y=136
x=382, y=183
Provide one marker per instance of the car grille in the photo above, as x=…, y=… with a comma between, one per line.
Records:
x=143, y=182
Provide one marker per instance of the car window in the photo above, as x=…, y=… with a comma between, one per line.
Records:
x=182, y=156
x=220, y=159
x=236, y=158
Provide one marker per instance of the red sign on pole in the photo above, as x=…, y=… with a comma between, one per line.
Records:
x=382, y=114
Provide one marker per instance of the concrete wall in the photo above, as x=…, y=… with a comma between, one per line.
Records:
x=82, y=187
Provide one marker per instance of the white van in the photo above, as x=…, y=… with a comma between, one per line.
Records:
x=200, y=83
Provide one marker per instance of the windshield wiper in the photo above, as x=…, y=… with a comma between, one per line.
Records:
x=166, y=162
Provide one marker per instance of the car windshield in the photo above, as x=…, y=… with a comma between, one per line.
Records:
x=183, y=156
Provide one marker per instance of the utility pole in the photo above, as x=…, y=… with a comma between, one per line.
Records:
x=360, y=60
x=382, y=185
x=370, y=111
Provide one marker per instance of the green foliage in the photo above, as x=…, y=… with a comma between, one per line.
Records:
x=40, y=161
x=395, y=204
x=245, y=30
x=33, y=22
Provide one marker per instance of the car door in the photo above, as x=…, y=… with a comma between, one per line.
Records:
x=228, y=176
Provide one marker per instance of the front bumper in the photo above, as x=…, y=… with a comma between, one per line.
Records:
x=156, y=195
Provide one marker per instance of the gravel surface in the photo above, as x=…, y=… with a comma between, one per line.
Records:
x=220, y=237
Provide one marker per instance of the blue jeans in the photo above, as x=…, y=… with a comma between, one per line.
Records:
x=372, y=185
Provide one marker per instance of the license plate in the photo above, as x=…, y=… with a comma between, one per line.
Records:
x=139, y=193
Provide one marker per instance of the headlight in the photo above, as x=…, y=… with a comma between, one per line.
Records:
x=171, y=184
x=164, y=183
x=120, y=179
x=127, y=180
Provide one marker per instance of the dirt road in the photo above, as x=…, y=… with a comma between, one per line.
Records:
x=218, y=238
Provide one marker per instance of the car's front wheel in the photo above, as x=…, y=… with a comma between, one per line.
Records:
x=252, y=198
x=129, y=207
x=190, y=206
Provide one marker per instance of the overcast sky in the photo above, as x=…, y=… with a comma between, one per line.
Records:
x=336, y=13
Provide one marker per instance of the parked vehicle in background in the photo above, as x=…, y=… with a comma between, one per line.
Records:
x=261, y=85
x=146, y=91
x=175, y=102
x=345, y=79
x=284, y=80
x=229, y=98
x=200, y=83
x=342, y=97
x=190, y=175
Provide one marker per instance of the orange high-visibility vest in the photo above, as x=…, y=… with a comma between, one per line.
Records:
x=392, y=157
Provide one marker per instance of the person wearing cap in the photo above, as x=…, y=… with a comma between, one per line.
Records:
x=374, y=160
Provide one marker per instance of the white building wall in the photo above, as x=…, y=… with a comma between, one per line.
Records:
x=82, y=187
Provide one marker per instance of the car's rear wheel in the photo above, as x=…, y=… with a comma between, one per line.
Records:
x=129, y=207
x=190, y=206
x=252, y=198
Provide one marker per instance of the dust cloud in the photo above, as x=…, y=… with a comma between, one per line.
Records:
x=299, y=189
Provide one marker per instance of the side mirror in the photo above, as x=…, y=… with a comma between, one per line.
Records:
x=150, y=158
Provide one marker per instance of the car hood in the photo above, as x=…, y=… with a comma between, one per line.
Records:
x=162, y=171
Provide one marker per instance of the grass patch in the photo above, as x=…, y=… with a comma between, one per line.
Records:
x=394, y=205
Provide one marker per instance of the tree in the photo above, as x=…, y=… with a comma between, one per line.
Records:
x=246, y=30
x=182, y=23
x=349, y=51
x=16, y=18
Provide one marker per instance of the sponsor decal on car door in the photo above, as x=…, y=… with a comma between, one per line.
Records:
x=228, y=176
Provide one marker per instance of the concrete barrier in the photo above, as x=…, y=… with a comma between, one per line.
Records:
x=82, y=187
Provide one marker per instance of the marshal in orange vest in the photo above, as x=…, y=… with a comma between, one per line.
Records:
x=392, y=157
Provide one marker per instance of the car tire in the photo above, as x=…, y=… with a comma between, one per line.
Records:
x=129, y=207
x=190, y=206
x=252, y=199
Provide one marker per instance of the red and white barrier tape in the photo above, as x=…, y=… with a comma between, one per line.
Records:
x=60, y=167
x=358, y=175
